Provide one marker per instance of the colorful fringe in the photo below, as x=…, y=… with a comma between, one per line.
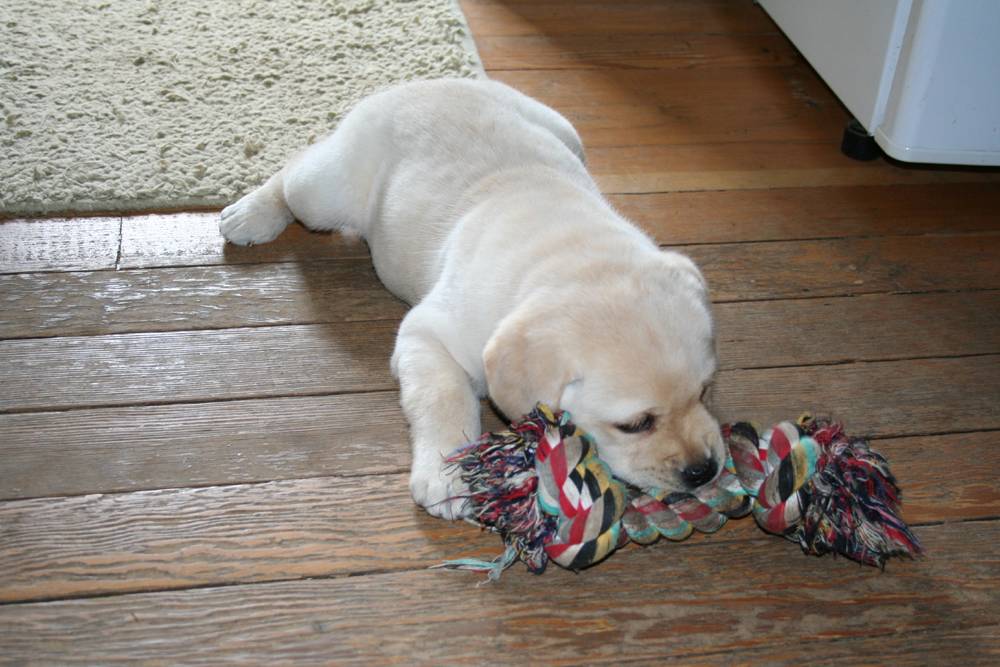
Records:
x=542, y=487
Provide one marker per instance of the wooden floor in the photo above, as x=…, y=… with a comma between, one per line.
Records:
x=202, y=458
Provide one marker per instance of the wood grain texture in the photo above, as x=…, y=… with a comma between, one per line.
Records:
x=176, y=538
x=812, y=213
x=876, y=399
x=652, y=51
x=646, y=604
x=681, y=122
x=58, y=244
x=975, y=645
x=231, y=504
x=327, y=526
x=641, y=136
x=66, y=304
x=174, y=367
x=754, y=165
x=189, y=445
x=666, y=89
x=946, y=477
x=193, y=239
x=196, y=365
x=616, y=109
x=152, y=447
x=626, y=18
x=874, y=327
x=790, y=269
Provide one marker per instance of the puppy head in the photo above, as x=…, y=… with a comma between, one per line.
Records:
x=631, y=355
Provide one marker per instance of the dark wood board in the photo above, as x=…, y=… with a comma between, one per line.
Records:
x=667, y=601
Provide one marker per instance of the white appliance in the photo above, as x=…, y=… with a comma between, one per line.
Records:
x=922, y=76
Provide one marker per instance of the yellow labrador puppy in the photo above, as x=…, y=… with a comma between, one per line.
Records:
x=525, y=284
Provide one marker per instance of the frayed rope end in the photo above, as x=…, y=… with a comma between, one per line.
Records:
x=851, y=504
x=493, y=568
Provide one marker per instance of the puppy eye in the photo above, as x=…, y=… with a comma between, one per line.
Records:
x=645, y=423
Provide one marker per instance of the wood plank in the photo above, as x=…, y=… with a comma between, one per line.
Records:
x=59, y=244
x=811, y=213
x=755, y=165
x=650, y=607
x=876, y=399
x=690, y=88
x=66, y=304
x=641, y=123
x=193, y=239
x=653, y=51
x=625, y=18
x=933, y=472
x=974, y=645
x=748, y=271
x=174, y=367
x=125, y=542
x=187, y=445
x=174, y=538
x=681, y=107
x=178, y=367
x=873, y=327
x=150, y=447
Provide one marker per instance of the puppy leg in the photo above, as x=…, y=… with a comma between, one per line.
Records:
x=259, y=216
x=325, y=187
x=328, y=186
x=442, y=409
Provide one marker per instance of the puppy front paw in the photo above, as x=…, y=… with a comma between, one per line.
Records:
x=439, y=491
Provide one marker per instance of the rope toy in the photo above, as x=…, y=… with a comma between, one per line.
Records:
x=542, y=487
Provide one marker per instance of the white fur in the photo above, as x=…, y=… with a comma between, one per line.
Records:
x=479, y=211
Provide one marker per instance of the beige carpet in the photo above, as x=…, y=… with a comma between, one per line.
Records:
x=114, y=105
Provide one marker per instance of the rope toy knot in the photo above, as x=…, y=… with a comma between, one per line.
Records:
x=542, y=486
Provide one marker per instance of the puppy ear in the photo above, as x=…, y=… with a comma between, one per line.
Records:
x=525, y=362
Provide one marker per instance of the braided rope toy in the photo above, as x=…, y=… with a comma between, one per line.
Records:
x=542, y=487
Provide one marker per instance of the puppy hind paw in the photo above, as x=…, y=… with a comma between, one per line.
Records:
x=254, y=219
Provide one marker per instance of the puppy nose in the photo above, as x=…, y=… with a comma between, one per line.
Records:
x=700, y=473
